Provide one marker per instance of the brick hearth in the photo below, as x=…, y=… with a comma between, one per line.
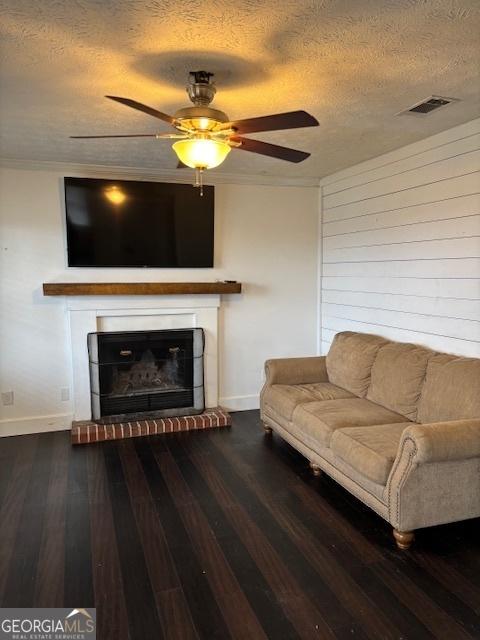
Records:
x=86, y=432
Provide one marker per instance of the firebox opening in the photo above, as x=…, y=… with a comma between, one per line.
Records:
x=139, y=374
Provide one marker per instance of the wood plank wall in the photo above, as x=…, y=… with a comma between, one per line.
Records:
x=401, y=245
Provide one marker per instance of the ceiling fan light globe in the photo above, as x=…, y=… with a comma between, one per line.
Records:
x=201, y=153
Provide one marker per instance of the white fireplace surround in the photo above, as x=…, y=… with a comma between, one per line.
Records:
x=139, y=313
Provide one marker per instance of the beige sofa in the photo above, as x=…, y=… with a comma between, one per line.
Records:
x=396, y=424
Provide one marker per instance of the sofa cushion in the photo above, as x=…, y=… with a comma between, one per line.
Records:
x=316, y=421
x=451, y=390
x=350, y=360
x=283, y=398
x=397, y=377
x=369, y=450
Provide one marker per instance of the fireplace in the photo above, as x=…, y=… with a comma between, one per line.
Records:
x=146, y=374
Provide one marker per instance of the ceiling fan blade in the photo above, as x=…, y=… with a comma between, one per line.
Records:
x=272, y=150
x=275, y=122
x=143, y=107
x=128, y=135
x=171, y=136
x=158, y=136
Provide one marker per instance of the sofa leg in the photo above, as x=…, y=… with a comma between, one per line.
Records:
x=403, y=539
x=315, y=469
x=268, y=430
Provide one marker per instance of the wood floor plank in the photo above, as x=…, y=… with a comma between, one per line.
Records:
x=257, y=590
x=159, y=560
x=78, y=579
x=432, y=616
x=451, y=578
x=353, y=583
x=8, y=455
x=143, y=619
x=443, y=584
x=169, y=596
x=319, y=587
x=24, y=560
x=11, y=510
x=238, y=613
x=204, y=609
x=374, y=622
x=49, y=585
x=300, y=610
x=443, y=596
x=176, y=614
x=360, y=573
x=463, y=615
x=112, y=616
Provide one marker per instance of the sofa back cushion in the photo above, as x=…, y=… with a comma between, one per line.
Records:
x=451, y=390
x=397, y=377
x=350, y=360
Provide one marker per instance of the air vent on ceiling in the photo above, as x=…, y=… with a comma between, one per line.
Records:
x=428, y=105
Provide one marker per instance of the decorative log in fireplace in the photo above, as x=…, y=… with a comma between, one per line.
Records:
x=146, y=374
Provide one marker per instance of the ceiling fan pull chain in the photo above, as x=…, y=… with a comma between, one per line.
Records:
x=199, y=179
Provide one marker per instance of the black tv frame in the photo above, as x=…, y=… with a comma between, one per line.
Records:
x=209, y=193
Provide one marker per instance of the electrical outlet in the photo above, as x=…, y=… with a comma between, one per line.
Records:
x=65, y=394
x=7, y=398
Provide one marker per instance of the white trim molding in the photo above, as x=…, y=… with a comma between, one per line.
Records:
x=240, y=403
x=130, y=313
x=147, y=173
x=35, y=424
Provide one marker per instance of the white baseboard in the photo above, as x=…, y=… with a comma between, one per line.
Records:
x=63, y=421
x=36, y=424
x=240, y=403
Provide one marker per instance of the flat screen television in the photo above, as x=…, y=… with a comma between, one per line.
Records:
x=126, y=223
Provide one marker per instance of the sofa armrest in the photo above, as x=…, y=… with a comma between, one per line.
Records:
x=444, y=441
x=435, y=477
x=296, y=370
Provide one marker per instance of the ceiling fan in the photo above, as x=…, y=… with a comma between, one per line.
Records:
x=205, y=136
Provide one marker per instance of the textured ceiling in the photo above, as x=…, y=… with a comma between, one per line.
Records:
x=353, y=64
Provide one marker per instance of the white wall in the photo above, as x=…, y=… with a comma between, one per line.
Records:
x=266, y=237
x=401, y=245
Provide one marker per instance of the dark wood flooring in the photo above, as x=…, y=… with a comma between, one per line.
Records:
x=220, y=534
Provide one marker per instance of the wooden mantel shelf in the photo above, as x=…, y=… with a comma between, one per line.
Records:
x=138, y=288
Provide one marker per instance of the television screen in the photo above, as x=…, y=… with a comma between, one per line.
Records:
x=125, y=223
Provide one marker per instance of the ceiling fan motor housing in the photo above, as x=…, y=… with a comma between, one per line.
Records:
x=201, y=91
x=187, y=114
